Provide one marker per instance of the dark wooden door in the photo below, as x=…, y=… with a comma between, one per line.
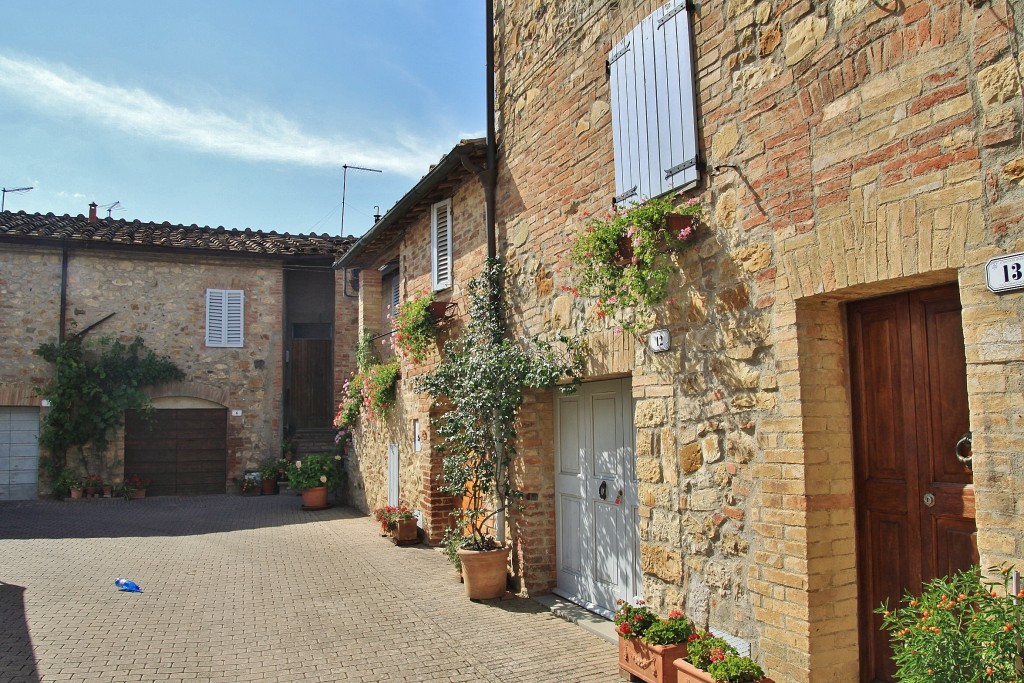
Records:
x=915, y=499
x=183, y=452
x=311, y=393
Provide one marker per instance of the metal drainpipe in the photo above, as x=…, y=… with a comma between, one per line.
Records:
x=491, y=172
x=63, y=295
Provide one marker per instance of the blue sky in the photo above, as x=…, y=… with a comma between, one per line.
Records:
x=238, y=113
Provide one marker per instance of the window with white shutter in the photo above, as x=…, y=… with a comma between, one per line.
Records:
x=654, y=115
x=225, y=313
x=441, y=244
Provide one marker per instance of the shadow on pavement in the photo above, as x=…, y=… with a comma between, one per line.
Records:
x=17, y=663
x=157, y=516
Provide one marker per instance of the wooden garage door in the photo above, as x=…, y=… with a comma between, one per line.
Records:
x=183, y=451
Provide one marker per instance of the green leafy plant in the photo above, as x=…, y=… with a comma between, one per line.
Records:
x=318, y=469
x=633, y=621
x=675, y=628
x=371, y=391
x=64, y=482
x=93, y=384
x=272, y=468
x=415, y=330
x=390, y=515
x=249, y=486
x=478, y=384
x=962, y=628
x=451, y=541
x=704, y=649
x=735, y=669
x=624, y=259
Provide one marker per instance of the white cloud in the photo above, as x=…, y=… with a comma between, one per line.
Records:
x=254, y=135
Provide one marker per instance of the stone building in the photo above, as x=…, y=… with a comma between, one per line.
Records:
x=431, y=241
x=791, y=460
x=257, y=321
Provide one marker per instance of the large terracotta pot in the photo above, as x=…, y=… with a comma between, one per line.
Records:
x=406, y=532
x=651, y=663
x=138, y=493
x=314, y=498
x=484, y=572
x=269, y=487
x=76, y=494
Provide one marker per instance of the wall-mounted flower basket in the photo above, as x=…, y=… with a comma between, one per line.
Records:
x=442, y=311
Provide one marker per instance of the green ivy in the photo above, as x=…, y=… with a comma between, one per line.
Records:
x=415, y=330
x=479, y=385
x=93, y=384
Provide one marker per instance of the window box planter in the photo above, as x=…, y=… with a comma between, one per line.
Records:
x=406, y=532
x=651, y=663
x=688, y=673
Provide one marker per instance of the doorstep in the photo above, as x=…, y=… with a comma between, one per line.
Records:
x=588, y=621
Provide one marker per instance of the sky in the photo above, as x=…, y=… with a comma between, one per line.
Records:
x=234, y=113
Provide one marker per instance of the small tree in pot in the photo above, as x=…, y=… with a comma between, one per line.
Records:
x=479, y=383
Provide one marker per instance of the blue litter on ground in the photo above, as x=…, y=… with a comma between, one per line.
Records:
x=127, y=586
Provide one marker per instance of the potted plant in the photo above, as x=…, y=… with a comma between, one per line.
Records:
x=711, y=659
x=406, y=530
x=269, y=471
x=959, y=627
x=415, y=327
x=137, y=485
x=625, y=259
x=451, y=541
x=478, y=384
x=67, y=485
x=249, y=487
x=647, y=644
x=108, y=489
x=93, y=484
x=314, y=476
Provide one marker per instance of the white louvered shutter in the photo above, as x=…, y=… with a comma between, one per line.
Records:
x=654, y=117
x=441, y=244
x=224, y=317
x=395, y=293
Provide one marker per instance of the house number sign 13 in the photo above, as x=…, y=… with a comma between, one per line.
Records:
x=1005, y=273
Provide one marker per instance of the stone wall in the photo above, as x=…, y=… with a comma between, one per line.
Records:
x=862, y=150
x=163, y=300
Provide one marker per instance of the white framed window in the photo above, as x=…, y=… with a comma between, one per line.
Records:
x=654, y=115
x=441, y=244
x=225, y=313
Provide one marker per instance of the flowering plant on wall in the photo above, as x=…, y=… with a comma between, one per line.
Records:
x=415, y=330
x=370, y=391
x=624, y=259
x=961, y=628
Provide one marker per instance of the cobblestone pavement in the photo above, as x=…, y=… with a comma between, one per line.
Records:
x=254, y=589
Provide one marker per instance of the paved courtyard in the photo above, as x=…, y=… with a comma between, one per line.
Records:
x=254, y=589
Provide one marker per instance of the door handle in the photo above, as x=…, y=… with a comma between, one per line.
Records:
x=965, y=440
x=603, y=490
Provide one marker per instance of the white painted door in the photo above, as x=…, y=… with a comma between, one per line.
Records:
x=393, y=474
x=596, y=502
x=19, y=453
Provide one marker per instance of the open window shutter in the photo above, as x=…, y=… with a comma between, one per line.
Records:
x=395, y=293
x=215, y=317
x=441, y=244
x=235, y=306
x=654, y=121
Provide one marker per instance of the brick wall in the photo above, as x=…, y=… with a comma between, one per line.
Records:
x=869, y=150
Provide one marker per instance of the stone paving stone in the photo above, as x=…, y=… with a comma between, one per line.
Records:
x=255, y=589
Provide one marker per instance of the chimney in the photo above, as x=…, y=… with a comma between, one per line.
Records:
x=92, y=212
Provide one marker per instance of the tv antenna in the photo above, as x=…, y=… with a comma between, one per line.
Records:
x=12, y=190
x=111, y=207
x=344, y=185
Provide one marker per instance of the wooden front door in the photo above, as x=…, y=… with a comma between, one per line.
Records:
x=596, y=500
x=311, y=390
x=915, y=499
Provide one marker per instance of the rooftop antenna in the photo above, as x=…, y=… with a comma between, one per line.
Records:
x=12, y=190
x=344, y=185
x=110, y=207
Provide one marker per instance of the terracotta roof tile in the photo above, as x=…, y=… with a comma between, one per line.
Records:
x=49, y=228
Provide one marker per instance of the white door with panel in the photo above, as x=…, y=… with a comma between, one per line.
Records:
x=596, y=501
x=19, y=453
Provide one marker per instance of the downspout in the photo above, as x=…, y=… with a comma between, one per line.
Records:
x=490, y=181
x=63, y=295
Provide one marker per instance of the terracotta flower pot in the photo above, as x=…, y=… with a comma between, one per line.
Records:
x=441, y=310
x=269, y=487
x=688, y=673
x=76, y=494
x=314, y=499
x=484, y=572
x=651, y=663
x=138, y=493
x=91, y=491
x=406, y=532
x=108, y=491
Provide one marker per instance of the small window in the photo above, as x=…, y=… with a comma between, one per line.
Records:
x=441, y=244
x=224, y=317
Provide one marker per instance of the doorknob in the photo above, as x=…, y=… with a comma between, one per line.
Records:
x=603, y=490
x=929, y=500
x=965, y=440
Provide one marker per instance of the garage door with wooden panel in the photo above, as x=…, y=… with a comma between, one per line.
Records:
x=19, y=453
x=183, y=451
